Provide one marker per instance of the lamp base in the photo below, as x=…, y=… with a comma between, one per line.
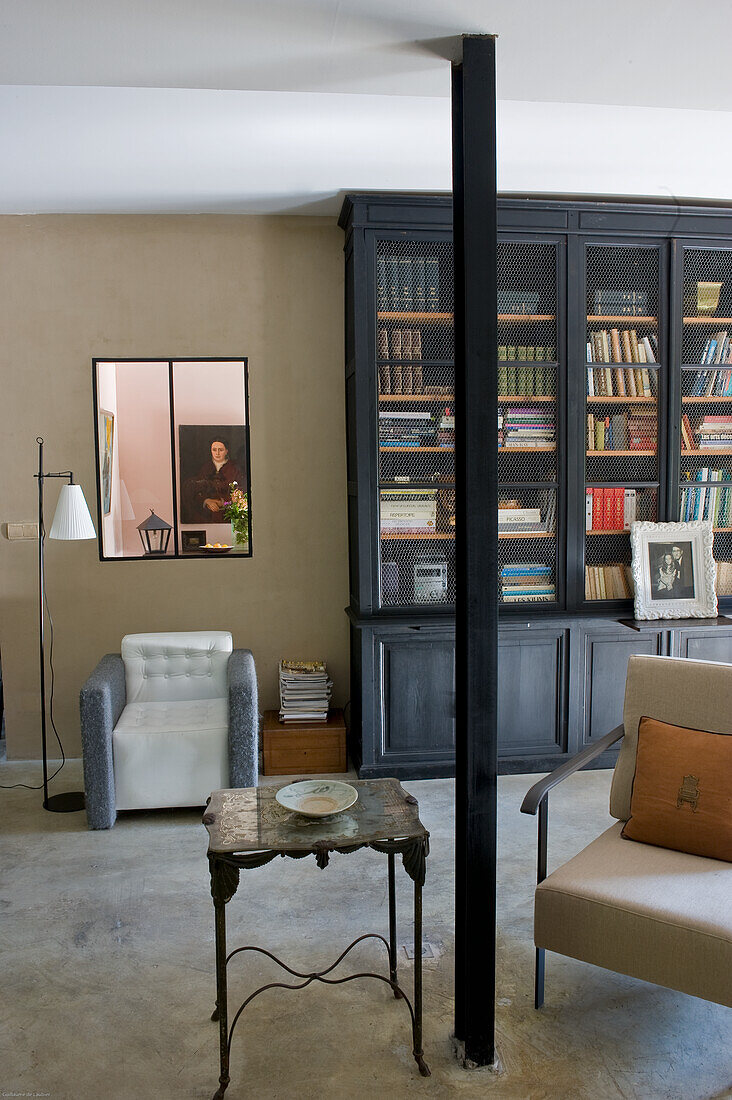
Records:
x=66, y=803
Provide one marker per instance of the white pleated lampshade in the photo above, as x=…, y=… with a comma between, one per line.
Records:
x=72, y=519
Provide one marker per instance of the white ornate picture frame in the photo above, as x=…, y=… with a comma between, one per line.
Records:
x=674, y=570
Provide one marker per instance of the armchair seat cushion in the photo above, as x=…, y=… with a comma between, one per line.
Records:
x=653, y=913
x=170, y=753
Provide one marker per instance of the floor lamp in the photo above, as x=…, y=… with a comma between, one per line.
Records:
x=71, y=521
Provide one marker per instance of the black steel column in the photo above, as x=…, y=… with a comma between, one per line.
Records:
x=476, y=408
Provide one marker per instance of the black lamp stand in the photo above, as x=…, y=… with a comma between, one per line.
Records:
x=71, y=801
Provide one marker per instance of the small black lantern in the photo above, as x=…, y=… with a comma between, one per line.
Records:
x=154, y=535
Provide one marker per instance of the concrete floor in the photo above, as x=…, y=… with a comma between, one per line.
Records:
x=106, y=955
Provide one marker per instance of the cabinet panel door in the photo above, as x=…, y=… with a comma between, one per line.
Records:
x=532, y=695
x=418, y=677
x=605, y=666
x=704, y=645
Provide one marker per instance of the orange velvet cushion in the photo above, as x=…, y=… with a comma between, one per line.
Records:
x=682, y=791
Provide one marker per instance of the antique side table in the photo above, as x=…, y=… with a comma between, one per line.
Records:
x=247, y=828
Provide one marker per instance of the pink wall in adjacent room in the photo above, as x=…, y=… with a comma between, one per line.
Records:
x=143, y=401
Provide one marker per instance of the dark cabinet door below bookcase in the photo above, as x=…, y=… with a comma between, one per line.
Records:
x=533, y=692
x=605, y=650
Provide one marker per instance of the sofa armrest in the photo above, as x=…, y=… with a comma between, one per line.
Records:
x=101, y=701
x=541, y=788
x=243, y=720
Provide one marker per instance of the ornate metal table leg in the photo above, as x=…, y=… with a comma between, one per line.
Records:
x=392, y=927
x=418, y=1051
x=224, y=881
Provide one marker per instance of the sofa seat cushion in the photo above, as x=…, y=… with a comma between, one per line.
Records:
x=653, y=913
x=170, y=754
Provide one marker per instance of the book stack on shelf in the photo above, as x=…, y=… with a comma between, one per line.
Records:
x=610, y=509
x=612, y=581
x=406, y=284
x=527, y=582
x=711, y=383
x=620, y=382
x=527, y=353
x=515, y=519
x=525, y=428
x=621, y=346
x=525, y=381
x=305, y=691
x=407, y=429
x=634, y=430
x=706, y=501
x=620, y=301
x=713, y=433
x=408, y=513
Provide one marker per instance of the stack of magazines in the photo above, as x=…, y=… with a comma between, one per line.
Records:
x=304, y=691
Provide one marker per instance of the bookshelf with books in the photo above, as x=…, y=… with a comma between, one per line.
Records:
x=705, y=422
x=625, y=376
x=597, y=360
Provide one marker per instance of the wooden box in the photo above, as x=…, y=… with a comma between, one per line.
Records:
x=293, y=748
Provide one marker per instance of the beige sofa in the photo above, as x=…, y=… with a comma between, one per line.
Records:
x=656, y=914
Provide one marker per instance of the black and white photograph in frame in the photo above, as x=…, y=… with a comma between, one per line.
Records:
x=673, y=570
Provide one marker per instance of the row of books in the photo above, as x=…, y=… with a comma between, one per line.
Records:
x=523, y=302
x=610, y=509
x=416, y=429
x=621, y=382
x=634, y=430
x=707, y=501
x=718, y=349
x=621, y=346
x=713, y=433
x=406, y=284
x=305, y=691
x=711, y=383
x=527, y=353
x=625, y=303
x=526, y=381
x=613, y=581
x=515, y=519
x=527, y=582
x=530, y=426
x=724, y=578
x=400, y=343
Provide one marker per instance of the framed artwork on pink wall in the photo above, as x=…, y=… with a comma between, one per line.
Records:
x=172, y=449
x=107, y=457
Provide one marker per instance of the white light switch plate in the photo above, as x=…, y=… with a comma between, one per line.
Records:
x=22, y=531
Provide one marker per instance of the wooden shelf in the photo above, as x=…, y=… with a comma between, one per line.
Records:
x=626, y=454
x=527, y=450
x=707, y=320
x=609, y=531
x=706, y=451
x=417, y=450
x=417, y=535
x=527, y=317
x=406, y=315
x=620, y=400
x=706, y=400
x=625, y=319
x=526, y=535
x=721, y=530
x=506, y=398
x=434, y=397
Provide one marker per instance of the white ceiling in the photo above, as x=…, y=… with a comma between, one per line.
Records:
x=281, y=105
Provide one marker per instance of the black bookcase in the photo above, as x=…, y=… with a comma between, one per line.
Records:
x=614, y=327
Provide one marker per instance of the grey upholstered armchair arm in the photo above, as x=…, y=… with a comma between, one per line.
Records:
x=243, y=720
x=101, y=701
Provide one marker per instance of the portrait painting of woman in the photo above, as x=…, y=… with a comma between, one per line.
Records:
x=211, y=459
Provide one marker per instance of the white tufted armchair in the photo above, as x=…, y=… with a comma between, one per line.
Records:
x=172, y=718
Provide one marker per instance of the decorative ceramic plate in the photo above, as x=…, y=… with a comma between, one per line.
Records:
x=317, y=797
x=217, y=549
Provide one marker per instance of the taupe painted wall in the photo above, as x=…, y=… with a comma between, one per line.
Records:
x=73, y=287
